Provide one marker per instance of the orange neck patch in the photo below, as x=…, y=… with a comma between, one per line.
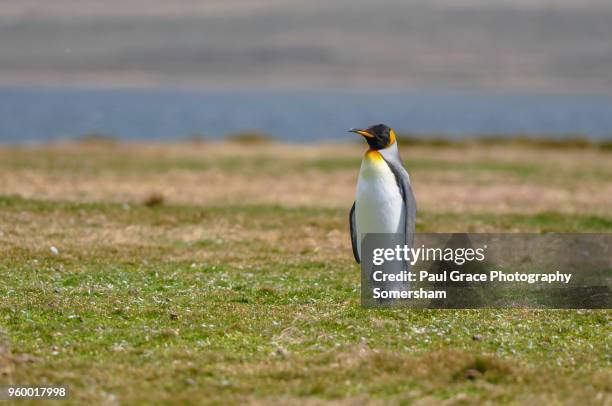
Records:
x=373, y=155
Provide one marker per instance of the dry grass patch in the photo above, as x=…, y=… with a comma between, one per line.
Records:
x=472, y=179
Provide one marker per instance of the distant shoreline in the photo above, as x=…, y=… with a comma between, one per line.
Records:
x=279, y=82
x=253, y=139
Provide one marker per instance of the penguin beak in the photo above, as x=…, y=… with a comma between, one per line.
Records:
x=363, y=133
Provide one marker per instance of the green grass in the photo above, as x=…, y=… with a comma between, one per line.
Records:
x=278, y=323
x=259, y=303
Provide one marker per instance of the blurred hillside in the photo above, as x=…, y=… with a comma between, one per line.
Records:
x=509, y=44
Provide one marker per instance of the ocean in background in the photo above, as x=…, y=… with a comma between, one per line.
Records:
x=32, y=115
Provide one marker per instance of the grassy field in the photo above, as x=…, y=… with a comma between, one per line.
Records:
x=203, y=272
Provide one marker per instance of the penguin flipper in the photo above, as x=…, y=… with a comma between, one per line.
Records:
x=410, y=205
x=354, y=237
x=403, y=183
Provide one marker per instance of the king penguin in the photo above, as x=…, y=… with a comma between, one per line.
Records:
x=384, y=202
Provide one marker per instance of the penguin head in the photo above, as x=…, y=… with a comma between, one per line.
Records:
x=378, y=136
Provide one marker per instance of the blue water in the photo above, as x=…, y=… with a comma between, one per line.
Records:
x=35, y=115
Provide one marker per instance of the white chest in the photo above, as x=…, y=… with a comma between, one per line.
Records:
x=379, y=207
